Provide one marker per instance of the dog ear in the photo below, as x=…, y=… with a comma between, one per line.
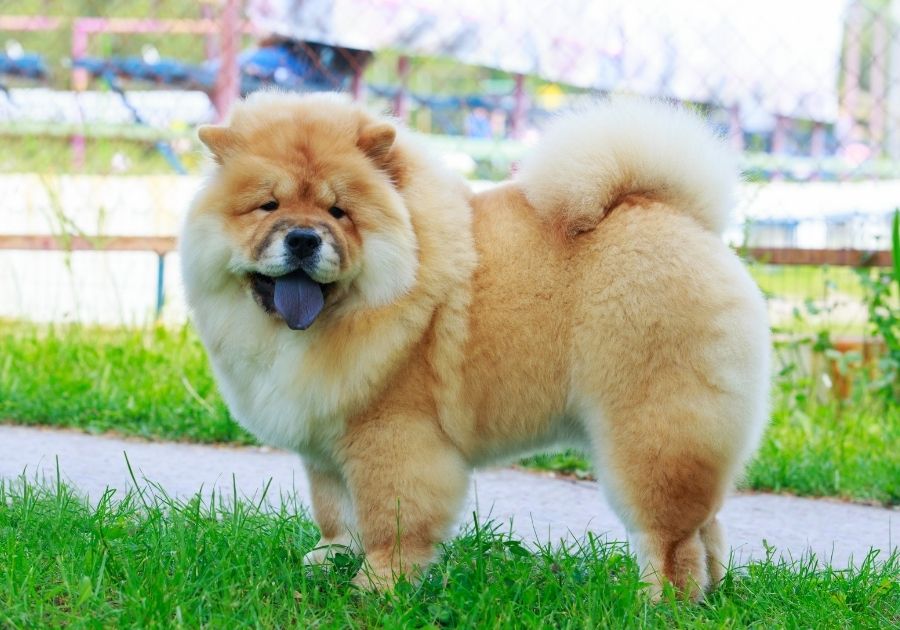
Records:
x=376, y=141
x=218, y=139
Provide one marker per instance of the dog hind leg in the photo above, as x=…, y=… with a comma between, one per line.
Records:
x=667, y=487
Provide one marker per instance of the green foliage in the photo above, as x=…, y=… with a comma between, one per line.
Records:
x=895, y=245
x=153, y=561
x=882, y=295
x=830, y=449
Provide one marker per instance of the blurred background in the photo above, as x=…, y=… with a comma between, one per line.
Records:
x=99, y=101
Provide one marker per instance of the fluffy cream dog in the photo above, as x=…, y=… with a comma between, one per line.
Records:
x=362, y=307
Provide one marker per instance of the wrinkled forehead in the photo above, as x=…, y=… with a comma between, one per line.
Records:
x=305, y=155
x=298, y=179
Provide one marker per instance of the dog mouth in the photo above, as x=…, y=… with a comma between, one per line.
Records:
x=294, y=296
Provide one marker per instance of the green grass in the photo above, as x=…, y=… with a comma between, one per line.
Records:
x=817, y=450
x=152, y=383
x=50, y=153
x=813, y=298
x=850, y=452
x=796, y=281
x=156, y=383
x=151, y=561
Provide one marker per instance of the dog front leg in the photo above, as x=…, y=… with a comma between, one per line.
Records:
x=407, y=482
x=332, y=512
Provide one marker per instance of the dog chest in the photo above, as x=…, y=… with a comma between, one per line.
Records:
x=276, y=399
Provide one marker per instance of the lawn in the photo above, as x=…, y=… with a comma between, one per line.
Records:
x=156, y=383
x=152, y=383
x=809, y=298
x=145, y=560
x=802, y=281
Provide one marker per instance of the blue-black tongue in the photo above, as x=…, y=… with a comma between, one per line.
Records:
x=298, y=299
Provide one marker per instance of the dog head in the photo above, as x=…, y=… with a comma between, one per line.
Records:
x=301, y=209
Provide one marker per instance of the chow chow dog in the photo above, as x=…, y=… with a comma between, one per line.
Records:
x=362, y=307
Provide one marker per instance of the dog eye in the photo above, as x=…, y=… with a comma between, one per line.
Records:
x=269, y=206
x=336, y=212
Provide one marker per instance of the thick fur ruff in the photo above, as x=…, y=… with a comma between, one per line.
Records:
x=590, y=301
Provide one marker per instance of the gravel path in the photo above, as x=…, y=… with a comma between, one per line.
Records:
x=537, y=507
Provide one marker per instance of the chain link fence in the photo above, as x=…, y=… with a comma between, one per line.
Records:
x=99, y=101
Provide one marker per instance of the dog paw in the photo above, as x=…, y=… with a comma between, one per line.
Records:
x=327, y=548
x=381, y=572
x=378, y=579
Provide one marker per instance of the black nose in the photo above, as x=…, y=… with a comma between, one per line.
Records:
x=302, y=242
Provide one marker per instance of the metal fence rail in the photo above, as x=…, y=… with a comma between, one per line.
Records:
x=164, y=245
x=159, y=245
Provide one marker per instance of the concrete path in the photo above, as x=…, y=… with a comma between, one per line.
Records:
x=537, y=507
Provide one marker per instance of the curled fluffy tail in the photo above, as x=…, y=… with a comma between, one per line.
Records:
x=589, y=160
